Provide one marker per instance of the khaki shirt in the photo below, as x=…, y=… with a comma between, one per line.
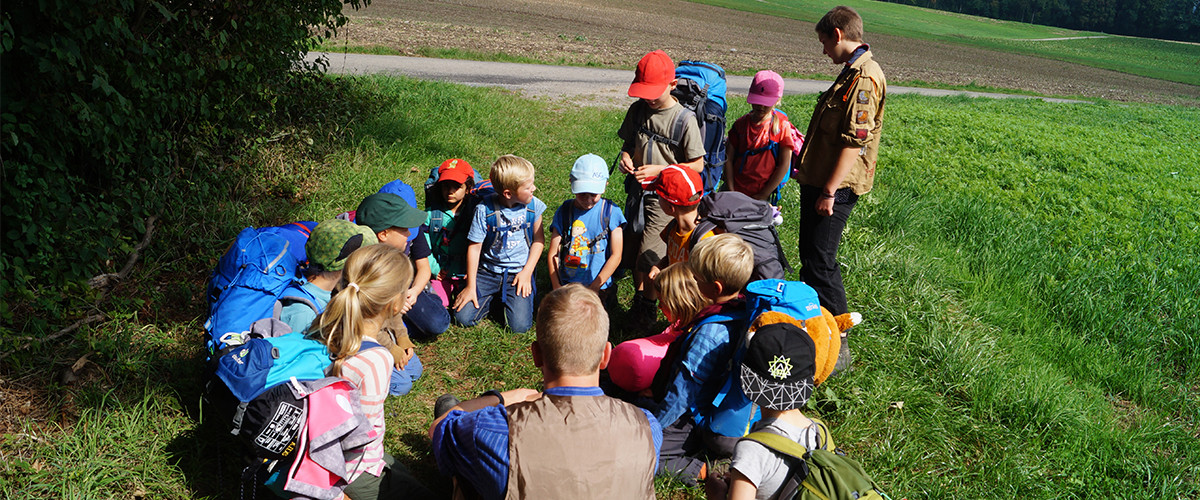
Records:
x=849, y=114
x=659, y=121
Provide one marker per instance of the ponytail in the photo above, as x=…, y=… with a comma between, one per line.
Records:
x=375, y=277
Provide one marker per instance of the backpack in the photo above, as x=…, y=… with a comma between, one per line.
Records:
x=494, y=228
x=753, y=221
x=825, y=474
x=568, y=208
x=773, y=146
x=249, y=279
x=733, y=413
x=779, y=301
x=701, y=90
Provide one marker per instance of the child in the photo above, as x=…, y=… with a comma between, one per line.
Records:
x=644, y=155
x=394, y=221
x=635, y=362
x=585, y=235
x=374, y=282
x=327, y=248
x=698, y=373
x=837, y=161
x=506, y=241
x=752, y=166
x=679, y=190
x=449, y=215
x=777, y=373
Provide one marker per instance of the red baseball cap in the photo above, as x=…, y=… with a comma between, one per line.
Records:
x=654, y=74
x=679, y=185
x=455, y=170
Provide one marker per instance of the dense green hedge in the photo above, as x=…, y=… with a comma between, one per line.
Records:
x=115, y=110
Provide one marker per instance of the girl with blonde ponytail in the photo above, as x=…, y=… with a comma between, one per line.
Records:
x=353, y=327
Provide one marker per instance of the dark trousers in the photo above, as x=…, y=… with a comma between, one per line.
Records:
x=819, y=240
x=685, y=446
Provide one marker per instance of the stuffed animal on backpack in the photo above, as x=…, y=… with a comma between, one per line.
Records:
x=827, y=331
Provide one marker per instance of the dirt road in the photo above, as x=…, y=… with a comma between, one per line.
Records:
x=598, y=86
x=615, y=33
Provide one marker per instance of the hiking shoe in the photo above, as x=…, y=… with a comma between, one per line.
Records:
x=443, y=404
x=844, y=361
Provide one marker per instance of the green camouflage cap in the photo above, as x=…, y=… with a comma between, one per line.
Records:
x=384, y=210
x=333, y=241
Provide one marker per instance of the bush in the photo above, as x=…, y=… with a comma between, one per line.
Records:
x=115, y=110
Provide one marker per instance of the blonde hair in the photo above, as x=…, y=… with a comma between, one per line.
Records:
x=677, y=291
x=375, y=277
x=725, y=258
x=509, y=172
x=843, y=18
x=572, y=328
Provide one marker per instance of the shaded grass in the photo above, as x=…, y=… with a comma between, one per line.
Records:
x=1139, y=56
x=1026, y=272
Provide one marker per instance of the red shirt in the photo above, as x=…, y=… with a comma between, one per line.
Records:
x=754, y=171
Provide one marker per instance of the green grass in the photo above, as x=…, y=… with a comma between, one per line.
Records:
x=1164, y=60
x=1026, y=272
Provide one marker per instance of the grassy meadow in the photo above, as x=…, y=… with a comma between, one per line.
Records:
x=1139, y=56
x=1026, y=272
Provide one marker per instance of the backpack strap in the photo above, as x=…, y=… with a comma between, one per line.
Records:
x=530, y=215
x=294, y=295
x=793, y=453
x=489, y=204
x=368, y=344
x=702, y=228
x=675, y=140
x=568, y=215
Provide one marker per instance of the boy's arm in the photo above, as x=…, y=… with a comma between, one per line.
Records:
x=845, y=162
x=783, y=163
x=651, y=171
x=616, y=243
x=552, y=257
x=468, y=292
x=420, y=280
x=524, y=278
x=727, y=175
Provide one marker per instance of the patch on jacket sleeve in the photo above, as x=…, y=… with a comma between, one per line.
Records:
x=860, y=133
x=863, y=97
x=860, y=116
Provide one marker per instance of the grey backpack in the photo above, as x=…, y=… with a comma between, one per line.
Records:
x=752, y=220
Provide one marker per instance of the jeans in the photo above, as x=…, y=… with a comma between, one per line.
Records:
x=518, y=311
x=402, y=379
x=819, y=240
x=428, y=318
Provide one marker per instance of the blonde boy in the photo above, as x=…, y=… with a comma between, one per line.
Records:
x=506, y=241
x=722, y=266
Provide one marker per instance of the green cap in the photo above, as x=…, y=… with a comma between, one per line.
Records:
x=383, y=210
x=333, y=241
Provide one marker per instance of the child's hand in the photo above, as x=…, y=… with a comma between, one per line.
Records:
x=626, y=163
x=654, y=270
x=404, y=358
x=524, y=283
x=519, y=395
x=466, y=295
x=646, y=172
x=410, y=298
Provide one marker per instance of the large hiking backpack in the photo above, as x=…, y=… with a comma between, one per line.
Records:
x=752, y=220
x=701, y=89
x=821, y=473
x=250, y=277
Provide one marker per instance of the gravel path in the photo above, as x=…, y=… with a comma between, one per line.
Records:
x=597, y=86
x=615, y=33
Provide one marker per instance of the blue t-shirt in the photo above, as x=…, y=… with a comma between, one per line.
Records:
x=509, y=250
x=298, y=315
x=587, y=247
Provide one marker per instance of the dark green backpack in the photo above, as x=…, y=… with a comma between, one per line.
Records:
x=820, y=473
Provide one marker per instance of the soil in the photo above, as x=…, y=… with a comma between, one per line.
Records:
x=616, y=33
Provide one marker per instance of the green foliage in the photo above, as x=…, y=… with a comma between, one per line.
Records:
x=115, y=111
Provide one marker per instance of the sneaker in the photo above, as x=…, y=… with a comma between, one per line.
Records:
x=777, y=216
x=443, y=404
x=844, y=361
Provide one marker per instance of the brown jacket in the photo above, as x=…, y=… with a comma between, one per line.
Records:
x=579, y=447
x=849, y=114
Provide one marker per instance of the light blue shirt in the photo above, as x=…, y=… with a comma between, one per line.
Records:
x=587, y=242
x=299, y=316
x=509, y=251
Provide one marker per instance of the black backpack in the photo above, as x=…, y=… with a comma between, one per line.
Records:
x=753, y=221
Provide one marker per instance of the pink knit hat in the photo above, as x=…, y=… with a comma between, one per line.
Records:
x=766, y=89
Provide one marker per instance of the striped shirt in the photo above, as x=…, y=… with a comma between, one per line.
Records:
x=370, y=371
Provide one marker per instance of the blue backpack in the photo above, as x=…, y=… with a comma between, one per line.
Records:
x=794, y=298
x=250, y=277
x=494, y=228
x=701, y=90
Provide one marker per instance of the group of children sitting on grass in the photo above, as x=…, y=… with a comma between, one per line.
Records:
x=473, y=252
